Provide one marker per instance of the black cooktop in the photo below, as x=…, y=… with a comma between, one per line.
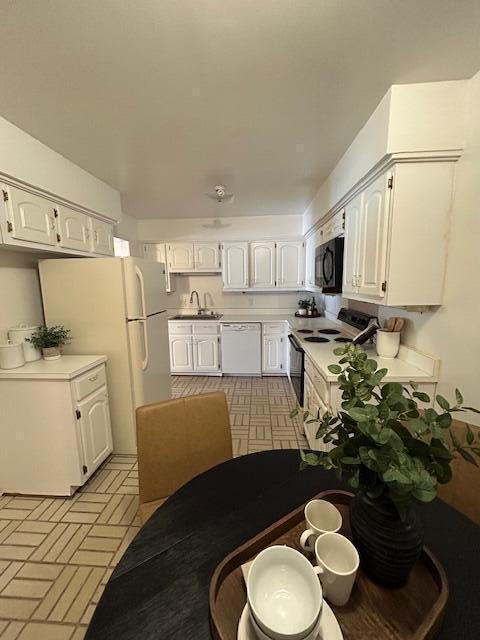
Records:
x=342, y=339
x=316, y=339
x=329, y=332
x=304, y=330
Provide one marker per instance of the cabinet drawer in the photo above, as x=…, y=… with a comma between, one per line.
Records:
x=88, y=382
x=205, y=328
x=274, y=327
x=180, y=328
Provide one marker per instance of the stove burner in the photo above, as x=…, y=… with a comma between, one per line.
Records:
x=316, y=339
x=330, y=332
x=304, y=330
x=343, y=339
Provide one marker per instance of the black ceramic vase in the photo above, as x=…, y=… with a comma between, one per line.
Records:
x=388, y=546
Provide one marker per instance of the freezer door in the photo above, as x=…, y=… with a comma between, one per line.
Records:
x=145, y=287
x=150, y=359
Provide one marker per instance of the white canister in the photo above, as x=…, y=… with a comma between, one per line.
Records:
x=11, y=355
x=388, y=343
x=19, y=334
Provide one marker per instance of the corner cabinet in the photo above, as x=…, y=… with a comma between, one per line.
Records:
x=158, y=252
x=32, y=221
x=274, y=348
x=54, y=442
x=396, y=231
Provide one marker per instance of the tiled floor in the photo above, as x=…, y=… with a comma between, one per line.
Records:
x=57, y=554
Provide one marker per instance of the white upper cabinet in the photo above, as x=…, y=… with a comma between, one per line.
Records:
x=180, y=256
x=102, y=237
x=206, y=256
x=235, y=265
x=310, y=261
x=372, y=251
x=29, y=217
x=353, y=212
x=157, y=251
x=289, y=259
x=262, y=265
x=73, y=227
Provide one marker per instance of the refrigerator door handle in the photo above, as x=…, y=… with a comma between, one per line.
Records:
x=139, y=275
x=145, y=344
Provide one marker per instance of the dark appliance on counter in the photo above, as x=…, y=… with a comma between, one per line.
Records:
x=297, y=363
x=329, y=266
x=367, y=324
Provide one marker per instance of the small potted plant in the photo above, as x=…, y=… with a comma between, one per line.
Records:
x=392, y=454
x=49, y=340
x=303, y=307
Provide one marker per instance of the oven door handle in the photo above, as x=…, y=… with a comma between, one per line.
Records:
x=294, y=344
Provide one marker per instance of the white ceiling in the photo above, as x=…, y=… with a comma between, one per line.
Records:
x=163, y=99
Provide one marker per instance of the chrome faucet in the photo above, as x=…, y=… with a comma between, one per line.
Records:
x=200, y=310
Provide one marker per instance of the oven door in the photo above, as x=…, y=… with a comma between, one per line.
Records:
x=297, y=362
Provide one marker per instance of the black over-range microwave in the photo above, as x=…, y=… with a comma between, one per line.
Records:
x=329, y=266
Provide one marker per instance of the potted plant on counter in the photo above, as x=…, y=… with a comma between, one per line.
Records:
x=392, y=454
x=49, y=340
x=303, y=307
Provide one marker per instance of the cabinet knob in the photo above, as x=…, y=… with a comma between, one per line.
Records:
x=93, y=378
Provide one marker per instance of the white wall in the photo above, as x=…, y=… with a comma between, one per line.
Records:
x=413, y=117
x=20, y=299
x=234, y=228
x=127, y=229
x=29, y=160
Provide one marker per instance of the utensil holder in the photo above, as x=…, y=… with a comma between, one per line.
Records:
x=388, y=343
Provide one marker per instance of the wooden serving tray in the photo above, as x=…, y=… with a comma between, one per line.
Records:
x=413, y=612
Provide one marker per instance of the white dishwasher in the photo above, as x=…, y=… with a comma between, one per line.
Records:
x=241, y=348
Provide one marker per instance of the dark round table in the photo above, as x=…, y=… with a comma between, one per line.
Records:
x=159, y=590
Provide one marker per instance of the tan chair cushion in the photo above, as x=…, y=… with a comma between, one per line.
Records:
x=148, y=508
x=178, y=439
x=463, y=492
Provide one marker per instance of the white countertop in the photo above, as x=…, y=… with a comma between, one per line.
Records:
x=66, y=368
x=403, y=368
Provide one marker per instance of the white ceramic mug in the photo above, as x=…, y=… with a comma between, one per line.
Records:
x=337, y=566
x=321, y=517
x=388, y=343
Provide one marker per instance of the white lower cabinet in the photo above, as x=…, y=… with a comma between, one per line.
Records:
x=205, y=354
x=55, y=428
x=274, y=348
x=181, y=354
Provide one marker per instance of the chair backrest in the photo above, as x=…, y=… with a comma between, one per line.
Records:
x=178, y=439
x=463, y=491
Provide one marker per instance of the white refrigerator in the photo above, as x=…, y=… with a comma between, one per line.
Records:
x=115, y=307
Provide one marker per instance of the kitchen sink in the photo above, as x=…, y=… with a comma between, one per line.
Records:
x=197, y=316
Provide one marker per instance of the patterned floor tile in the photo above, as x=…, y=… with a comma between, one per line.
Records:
x=56, y=554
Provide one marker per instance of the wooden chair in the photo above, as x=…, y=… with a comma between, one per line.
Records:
x=463, y=492
x=177, y=440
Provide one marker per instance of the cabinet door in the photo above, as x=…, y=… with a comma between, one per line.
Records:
x=95, y=429
x=373, y=238
x=205, y=354
x=180, y=256
x=181, y=353
x=290, y=263
x=310, y=262
x=206, y=256
x=31, y=217
x=273, y=354
x=73, y=229
x=350, y=252
x=157, y=251
x=102, y=237
x=262, y=265
x=235, y=265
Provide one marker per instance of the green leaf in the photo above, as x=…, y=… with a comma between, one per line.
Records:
x=469, y=435
x=309, y=458
x=443, y=402
x=339, y=351
x=294, y=412
x=424, y=495
x=371, y=365
x=466, y=455
x=444, y=420
x=350, y=460
x=414, y=385
x=421, y=396
x=335, y=368
x=358, y=414
x=458, y=397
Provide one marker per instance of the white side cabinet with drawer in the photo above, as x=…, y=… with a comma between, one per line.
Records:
x=194, y=347
x=274, y=352
x=55, y=428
